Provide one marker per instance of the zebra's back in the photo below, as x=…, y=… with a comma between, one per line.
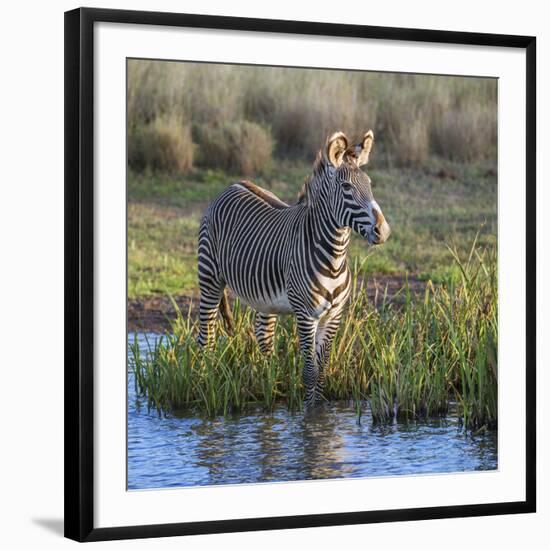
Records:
x=249, y=231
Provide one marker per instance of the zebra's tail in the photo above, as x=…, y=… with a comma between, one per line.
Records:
x=227, y=315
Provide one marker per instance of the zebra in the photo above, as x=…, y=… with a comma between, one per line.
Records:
x=290, y=259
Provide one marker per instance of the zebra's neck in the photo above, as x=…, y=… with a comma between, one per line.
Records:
x=330, y=241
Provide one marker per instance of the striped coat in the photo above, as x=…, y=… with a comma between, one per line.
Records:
x=290, y=259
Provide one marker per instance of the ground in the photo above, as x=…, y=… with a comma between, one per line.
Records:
x=443, y=204
x=155, y=313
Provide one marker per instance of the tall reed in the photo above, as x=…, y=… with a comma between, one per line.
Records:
x=410, y=357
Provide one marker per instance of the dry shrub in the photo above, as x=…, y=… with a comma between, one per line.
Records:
x=413, y=116
x=411, y=142
x=315, y=104
x=467, y=134
x=259, y=102
x=212, y=94
x=301, y=129
x=298, y=130
x=165, y=145
x=154, y=91
x=405, y=132
x=243, y=148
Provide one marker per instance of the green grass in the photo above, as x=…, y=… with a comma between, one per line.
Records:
x=426, y=212
x=410, y=361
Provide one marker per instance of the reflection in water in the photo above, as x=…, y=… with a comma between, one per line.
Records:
x=190, y=451
x=323, y=447
x=176, y=452
x=270, y=449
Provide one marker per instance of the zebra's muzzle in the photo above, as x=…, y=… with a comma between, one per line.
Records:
x=376, y=234
x=381, y=232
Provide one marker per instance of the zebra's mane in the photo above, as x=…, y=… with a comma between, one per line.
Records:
x=305, y=195
x=308, y=191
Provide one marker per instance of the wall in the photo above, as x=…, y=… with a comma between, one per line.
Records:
x=31, y=219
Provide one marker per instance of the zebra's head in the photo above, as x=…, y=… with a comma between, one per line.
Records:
x=351, y=197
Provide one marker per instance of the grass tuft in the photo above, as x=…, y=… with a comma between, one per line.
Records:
x=410, y=361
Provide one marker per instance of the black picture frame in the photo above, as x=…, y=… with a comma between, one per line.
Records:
x=79, y=269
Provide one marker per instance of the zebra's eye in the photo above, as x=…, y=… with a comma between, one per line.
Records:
x=346, y=186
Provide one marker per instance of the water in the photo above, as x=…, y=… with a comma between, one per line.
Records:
x=192, y=451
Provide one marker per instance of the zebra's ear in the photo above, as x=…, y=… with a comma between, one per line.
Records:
x=336, y=147
x=362, y=150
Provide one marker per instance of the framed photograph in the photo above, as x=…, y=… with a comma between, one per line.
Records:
x=300, y=274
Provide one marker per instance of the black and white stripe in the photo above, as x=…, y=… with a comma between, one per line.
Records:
x=291, y=259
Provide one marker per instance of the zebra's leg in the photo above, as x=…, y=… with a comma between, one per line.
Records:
x=307, y=328
x=264, y=328
x=211, y=287
x=323, y=346
x=208, y=312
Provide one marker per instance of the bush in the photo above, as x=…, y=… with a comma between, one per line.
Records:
x=243, y=148
x=259, y=102
x=312, y=105
x=296, y=131
x=411, y=142
x=405, y=132
x=413, y=116
x=165, y=144
x=467, y=134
